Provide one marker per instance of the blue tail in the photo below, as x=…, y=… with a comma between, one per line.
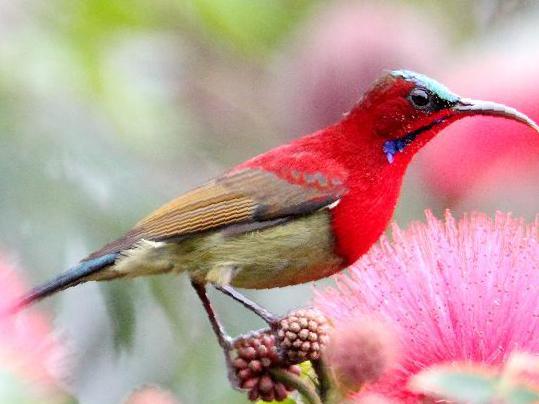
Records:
x=69, y=278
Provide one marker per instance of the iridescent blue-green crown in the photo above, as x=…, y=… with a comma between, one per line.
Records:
x=424, y=81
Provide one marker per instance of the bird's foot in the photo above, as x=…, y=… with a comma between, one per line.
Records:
x=225, y=341
x=260, y=311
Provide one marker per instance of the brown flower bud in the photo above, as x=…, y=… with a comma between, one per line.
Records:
x=302, y=335
x=256, y=354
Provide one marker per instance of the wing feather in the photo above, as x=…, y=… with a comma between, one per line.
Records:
x=246, y=196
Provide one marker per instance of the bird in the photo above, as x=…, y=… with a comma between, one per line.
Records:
x=297, y=213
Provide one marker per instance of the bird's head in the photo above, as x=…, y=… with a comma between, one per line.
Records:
x=405, y=110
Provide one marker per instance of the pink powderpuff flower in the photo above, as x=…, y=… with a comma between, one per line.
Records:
x=462, y=290
x=359, y=351
x=371, y=398
x=151, y=395
x=29, y=353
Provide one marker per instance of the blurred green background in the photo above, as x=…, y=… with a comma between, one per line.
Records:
x=108, y=108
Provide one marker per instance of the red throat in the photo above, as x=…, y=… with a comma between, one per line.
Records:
x=374, y=187
x=353, y=150
x=346, y=150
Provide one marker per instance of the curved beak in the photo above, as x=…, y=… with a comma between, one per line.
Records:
x=476, y=107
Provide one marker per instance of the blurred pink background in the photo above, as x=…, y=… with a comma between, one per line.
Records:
x=110, y=108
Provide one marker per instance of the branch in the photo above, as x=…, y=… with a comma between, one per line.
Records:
x=291, y=380
x=327, y=389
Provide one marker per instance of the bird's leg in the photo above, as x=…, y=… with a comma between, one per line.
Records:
x=260, y=311
x=224, y=340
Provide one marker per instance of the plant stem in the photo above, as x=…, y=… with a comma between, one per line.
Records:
x=324, y=381
x=327, y=390
x=305, y=389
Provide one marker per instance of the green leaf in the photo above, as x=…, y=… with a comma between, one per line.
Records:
x=471, y=384
x=307, y=370
x=521, y=395
x=119, y=300
x=287, y=401
x=516, y=382
x=253, y=26
x=89, y=27
x=15, y=389
x=165, y=291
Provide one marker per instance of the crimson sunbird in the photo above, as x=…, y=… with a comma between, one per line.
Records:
x=294, y=214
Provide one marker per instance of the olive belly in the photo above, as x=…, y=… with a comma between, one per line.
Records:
x=297, y=251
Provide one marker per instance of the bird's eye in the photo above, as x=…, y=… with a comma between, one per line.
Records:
x=420, y=98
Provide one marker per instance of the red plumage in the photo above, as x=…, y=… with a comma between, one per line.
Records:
x=352, y=169
x=351, y=151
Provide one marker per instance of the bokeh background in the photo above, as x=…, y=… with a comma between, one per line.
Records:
x=108, y=108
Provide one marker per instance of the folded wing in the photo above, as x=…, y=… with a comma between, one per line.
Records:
x=247, y=196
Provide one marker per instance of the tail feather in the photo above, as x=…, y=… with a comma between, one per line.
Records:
x=63, y=281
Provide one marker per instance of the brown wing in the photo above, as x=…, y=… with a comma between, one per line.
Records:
x=246, y=196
